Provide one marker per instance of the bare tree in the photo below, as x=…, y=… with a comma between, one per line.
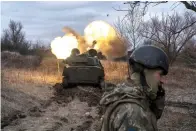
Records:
x=190, y=5
x=130, y=25
x=188, y=53
x=13, y=38
x=171, y=33
x=5, y=42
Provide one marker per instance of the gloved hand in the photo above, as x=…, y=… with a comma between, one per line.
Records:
x=157, y=105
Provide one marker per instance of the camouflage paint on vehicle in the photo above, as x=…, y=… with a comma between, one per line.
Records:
x=83, y=69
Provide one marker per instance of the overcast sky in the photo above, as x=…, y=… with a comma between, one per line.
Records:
x=44, y=20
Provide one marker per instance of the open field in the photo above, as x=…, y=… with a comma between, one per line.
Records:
x=115, y=72
x=29, y=101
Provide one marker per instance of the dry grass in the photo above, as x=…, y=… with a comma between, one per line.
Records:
x=115, y=72
x=181, y=77
x=16, y=60
x=47, y=75
x=22, y=76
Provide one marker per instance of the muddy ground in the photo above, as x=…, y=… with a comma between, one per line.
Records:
x=52, y=108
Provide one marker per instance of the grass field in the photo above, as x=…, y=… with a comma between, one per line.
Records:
x=115, y=72
x=37, y=83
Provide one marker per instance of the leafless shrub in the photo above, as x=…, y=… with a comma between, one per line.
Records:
x=14, y=59
x=188, y=54
x=171, y=33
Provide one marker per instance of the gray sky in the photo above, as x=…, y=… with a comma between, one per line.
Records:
x=45, y=20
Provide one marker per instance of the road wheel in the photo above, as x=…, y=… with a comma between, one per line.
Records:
x=65, y=82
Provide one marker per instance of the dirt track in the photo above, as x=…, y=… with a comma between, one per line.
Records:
x=75, y=109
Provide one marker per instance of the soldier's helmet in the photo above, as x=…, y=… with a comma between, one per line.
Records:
x=92, y=52
x=150, y=57
x=75, y=52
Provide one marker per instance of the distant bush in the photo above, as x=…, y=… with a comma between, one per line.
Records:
x=188, y=54
x=16, y=60
x=13, y=40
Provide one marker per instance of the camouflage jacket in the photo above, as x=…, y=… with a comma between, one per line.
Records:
x=127, y=109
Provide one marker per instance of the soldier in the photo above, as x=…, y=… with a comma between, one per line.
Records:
x=74, y=52
x=92, y=52
x=139, y=106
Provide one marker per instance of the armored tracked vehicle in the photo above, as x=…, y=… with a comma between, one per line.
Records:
x=83, y=69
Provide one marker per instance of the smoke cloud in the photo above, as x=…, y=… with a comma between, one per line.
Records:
x=98, y=35
x=82, y=46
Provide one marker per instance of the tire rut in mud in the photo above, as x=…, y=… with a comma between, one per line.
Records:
x=52, y=114
x=91, y=95
x=17, y=105
x=79, y=99
x=85, y=94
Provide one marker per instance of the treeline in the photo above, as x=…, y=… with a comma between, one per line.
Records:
x=174, y=32
x=13, y=39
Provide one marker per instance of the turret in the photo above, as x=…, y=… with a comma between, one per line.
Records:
x=90, y=53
